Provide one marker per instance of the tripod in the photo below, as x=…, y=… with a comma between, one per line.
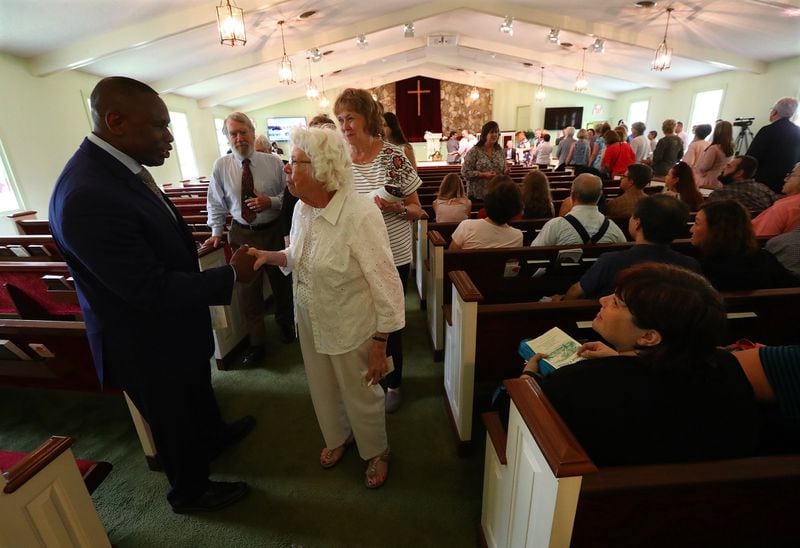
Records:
x=743, y=140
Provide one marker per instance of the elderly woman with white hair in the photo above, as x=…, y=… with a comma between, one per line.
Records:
x=348, y=297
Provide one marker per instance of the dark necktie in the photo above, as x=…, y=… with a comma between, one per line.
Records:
x=248, y=191
x=150, y=183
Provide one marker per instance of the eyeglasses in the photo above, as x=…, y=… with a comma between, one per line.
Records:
x=292, y=161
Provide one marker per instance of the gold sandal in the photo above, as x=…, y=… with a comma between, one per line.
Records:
x=371, y=480
x=328, y=460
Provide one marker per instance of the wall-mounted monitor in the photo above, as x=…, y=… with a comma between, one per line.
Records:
x=278, y=128
x=561, y=117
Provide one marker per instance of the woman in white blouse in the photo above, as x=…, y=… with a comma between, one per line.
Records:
x=348, y=297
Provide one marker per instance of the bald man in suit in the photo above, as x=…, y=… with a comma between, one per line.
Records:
x=144, y=300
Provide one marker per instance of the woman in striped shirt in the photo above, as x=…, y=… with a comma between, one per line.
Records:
x=382, y=171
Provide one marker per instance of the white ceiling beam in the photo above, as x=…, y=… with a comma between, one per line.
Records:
x=136, y=35
x=265, y=55
x=617, y=34
x=326, y=67
x=570, y=62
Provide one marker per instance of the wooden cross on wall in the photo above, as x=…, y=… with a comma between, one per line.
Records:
x=418, y=92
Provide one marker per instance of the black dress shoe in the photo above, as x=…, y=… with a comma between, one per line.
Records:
x=232, y=434
x=218, y=495
x=253, y=356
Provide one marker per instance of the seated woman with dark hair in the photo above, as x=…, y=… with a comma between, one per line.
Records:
x=679, y=182
x=662, y=391
x=729, y=253
x=536, y=199
x=503, y=202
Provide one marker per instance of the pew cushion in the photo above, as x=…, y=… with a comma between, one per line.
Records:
x=93, y=472
x=35, y=288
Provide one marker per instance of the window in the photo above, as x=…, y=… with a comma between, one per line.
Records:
x=222, y=142
x=183, y=145
x=705, y=109
x=638, y=112
x=8, y=192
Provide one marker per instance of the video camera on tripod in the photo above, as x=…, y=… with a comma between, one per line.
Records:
x=745, y=135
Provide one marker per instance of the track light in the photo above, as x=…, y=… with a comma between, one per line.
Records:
x=361, y=41
x=408, y=30
x=315, y=54
x=552, y=36
x=507, y=27
x=599, y=46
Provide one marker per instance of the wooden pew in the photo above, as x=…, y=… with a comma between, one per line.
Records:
x=482, y=339
x=57, y=357
x=39, y=248
x=542, y=489
x=44, y=500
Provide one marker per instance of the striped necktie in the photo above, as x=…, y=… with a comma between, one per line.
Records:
x=150, y=183
x=248, y=191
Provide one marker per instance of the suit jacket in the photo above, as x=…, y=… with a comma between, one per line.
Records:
x=777, y=149
x=143, y=298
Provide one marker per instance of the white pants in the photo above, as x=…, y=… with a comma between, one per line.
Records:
x=341, y=401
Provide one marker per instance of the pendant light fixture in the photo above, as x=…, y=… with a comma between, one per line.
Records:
x=474, y=95
x=311, y=89
x=540, y=94
x=285, y=72
x=663, y=57
x=324, y=102
x=581, y=83
x=230, y=22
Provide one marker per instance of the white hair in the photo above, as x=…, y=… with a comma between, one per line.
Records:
x=262, y=141
x=240, y=117
x=569, y=131
x=785, y=107
x=329, y=154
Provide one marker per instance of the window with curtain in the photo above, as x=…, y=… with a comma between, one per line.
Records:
x=9, y=199
x=222, y=142
x=183, y=145
x=705, y=108
x=637, y=112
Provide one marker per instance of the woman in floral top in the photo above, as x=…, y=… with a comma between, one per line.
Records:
x=378, y=165
x=484, y=161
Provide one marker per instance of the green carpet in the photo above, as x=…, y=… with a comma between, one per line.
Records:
x=432, y=497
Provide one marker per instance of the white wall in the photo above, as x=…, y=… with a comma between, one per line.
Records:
x=745, y=95
x=44, y=120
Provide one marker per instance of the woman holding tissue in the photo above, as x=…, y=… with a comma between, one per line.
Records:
x=662, y=391
x=348, y=297
x=382, y=171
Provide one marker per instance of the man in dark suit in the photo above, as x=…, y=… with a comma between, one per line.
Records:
x=777, y=145
x=144, y=300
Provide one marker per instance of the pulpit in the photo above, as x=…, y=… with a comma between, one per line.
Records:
x=433, y=144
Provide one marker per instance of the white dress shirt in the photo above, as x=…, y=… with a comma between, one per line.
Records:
x=558, y=231
x=349, y=271
x=225, y=188
x=641, y=148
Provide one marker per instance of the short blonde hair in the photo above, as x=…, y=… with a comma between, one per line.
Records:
x=329, y=154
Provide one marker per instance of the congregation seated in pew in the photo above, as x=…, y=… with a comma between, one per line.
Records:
x=537, y=200
x=492, y=184
x=503, y=203
x=655, y=223
x=663, y=325
x=584, y=223
x=730, y=256
x=783, y=215
x=451, y=203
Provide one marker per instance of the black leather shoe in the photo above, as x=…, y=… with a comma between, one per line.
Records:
x=218, y=495
x=232, y=434
x=253, y=356
x=288, y=334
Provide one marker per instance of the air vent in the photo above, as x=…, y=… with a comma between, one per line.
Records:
x=307, y=14
x=645, y=4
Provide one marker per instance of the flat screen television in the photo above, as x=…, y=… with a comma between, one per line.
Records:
x=561, y=117
x=278, y=128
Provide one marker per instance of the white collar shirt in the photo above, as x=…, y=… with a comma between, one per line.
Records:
x=349, y=269
x=225, y=188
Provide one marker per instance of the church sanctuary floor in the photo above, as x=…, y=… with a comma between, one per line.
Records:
x=432, y=497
